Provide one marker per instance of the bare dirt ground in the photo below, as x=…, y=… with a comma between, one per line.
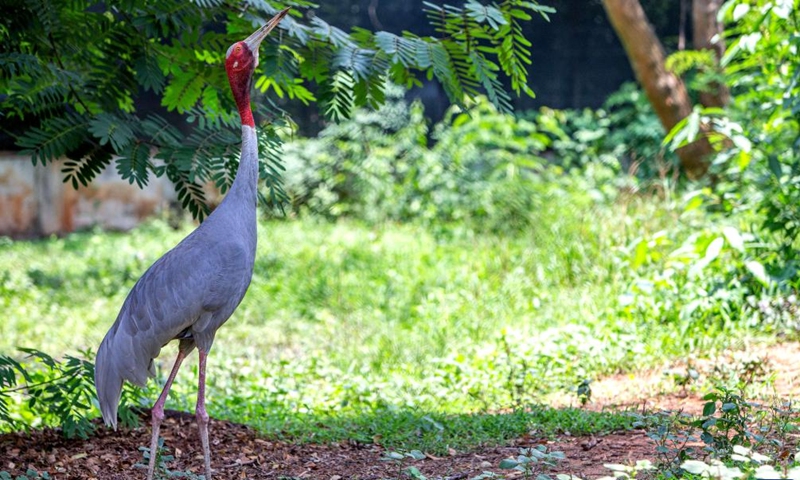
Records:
x=239, y=453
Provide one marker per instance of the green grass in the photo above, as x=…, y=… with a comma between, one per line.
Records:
x=435, y=432
x=393, y=331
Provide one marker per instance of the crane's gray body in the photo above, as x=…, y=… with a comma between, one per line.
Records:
x=188, y=293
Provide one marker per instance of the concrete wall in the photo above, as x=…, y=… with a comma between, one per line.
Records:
x=34, y=200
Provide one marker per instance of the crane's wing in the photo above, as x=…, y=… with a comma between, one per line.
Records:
x=192, y=288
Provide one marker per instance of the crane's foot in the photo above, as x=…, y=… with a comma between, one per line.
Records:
x=202, y=424
x=158, y=417
x=200, y=411
x=158, y=414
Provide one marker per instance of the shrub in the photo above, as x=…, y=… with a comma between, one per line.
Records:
x=43, y=391
x=757, y=165
x=483, y=167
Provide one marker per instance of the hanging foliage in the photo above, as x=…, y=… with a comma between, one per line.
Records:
x=73, y=76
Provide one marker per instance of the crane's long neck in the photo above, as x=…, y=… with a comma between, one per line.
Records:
x=246, y=181
x=241, y=93
x=237, y=212
x=236, y=215
x=239, y=205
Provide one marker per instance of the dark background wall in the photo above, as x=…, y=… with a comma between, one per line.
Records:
x=577, y=58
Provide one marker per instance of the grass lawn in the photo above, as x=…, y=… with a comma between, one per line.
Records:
x=410, y=334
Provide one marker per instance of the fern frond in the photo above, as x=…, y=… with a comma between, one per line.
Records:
x=271, y=167
x=224, y=173
x=209, y=4
x=325, y=32
x=148, y=73
x=513, y=52
x=13, y=64
x=485, y=14
x=54, y=138
x=190, y=194
x=84, y=169
x=41, y=99
x=134, y=164
x=183, y=91
x=369, y=91
x=113, y=129
x=336, y=96
x=485, y=71
x=160, y=132
x=357, y=61
x=47, y=15
x=442, y=68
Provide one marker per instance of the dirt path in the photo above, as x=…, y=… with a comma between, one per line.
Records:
x=238, y=453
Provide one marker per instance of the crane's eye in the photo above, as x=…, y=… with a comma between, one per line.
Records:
x=237, y=49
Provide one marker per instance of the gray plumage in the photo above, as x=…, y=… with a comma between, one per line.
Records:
x=188, y=293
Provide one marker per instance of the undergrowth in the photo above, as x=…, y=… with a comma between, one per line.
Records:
x=393, y=331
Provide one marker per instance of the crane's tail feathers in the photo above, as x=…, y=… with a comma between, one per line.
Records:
x=108, y=382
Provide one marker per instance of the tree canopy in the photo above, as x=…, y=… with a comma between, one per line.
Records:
x=104, y=84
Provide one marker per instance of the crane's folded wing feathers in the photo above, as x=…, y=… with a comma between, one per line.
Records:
x=188, y=289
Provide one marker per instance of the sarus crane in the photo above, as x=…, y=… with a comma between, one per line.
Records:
x=187, y=294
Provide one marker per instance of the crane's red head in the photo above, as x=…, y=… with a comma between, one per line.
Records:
x=240, y=62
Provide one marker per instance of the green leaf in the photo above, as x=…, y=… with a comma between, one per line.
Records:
x=148, y=73
x=714, y=248
x=416, y=455
x=485, y=14
x=692, y=125
x=111, y=128
x=134, y=164
x=183, y=91
x=83, y=170
x=211, y=101
x=508, y=463
x=758, y=271
x=337, y=96
x=734, y=238
x=740, y=11
x=54, y=138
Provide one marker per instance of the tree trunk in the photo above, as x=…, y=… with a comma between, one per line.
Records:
x=704, y=27
x=666, y=92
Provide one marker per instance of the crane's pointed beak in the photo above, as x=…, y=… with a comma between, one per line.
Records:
x=254, y=40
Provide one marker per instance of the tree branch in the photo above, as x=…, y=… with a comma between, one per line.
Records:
x=61, y=65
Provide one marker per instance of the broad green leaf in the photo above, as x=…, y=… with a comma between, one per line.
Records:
x=692, y=126
x=508, y=463
x=740, y=11
x=416, y=455
x=759, y=272
x=734, y=238
x=714, y=249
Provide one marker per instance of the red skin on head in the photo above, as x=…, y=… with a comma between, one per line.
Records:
x=240, y=65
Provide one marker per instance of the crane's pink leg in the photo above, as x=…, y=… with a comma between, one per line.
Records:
x=201, y=414
x=158, y=412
